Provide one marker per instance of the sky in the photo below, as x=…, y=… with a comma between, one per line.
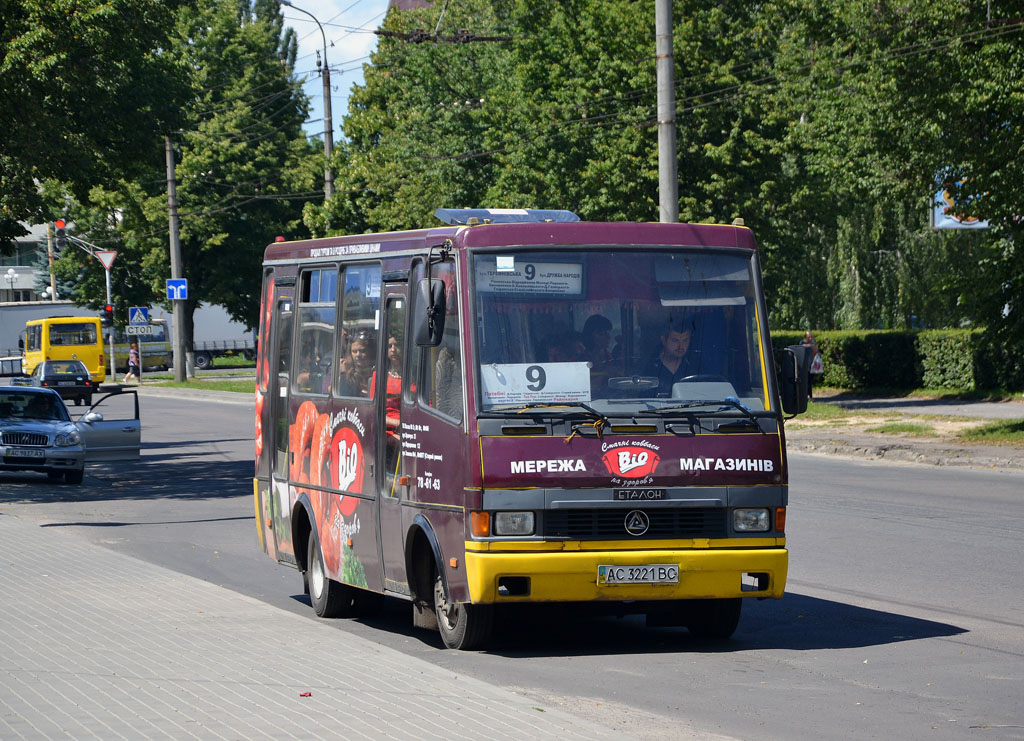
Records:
x=349, y=27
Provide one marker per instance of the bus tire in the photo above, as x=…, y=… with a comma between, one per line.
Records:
x=203, y=360
x=463, y=626
x=330, y=599
x=714, y=619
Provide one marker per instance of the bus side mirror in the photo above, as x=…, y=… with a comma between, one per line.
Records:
x=795, y=362
x=431, y=307
x=21, y=344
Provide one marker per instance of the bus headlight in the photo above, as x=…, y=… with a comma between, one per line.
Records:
x=751, y=520
x=513, y=523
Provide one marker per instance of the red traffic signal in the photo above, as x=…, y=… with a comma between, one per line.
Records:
x=107, y=316
x=62, y=240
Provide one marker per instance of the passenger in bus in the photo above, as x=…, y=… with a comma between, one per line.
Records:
x=393, y=390
x=672, y=363
x=597, y=339
x=563, y=348
x=355, y=380
x=315, y=377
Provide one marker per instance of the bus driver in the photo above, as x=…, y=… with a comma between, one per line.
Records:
x=672, y=363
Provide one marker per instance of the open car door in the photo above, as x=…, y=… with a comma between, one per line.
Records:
x=112, y=429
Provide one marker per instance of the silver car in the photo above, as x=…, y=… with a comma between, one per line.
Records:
x=38, y=434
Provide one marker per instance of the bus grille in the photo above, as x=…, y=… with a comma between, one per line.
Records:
x=24, y=438
x=609, y=524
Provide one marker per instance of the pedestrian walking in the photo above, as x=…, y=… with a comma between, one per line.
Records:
x=133, y=364
x=817, y=364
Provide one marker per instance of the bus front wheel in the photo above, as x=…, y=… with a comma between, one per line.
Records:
x=463, y=626
x=714, y=619
x=330, y=598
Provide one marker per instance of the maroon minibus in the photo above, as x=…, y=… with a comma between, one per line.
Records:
x=519, y=407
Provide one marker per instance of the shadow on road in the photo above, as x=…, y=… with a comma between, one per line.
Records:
x=795, y=623
x=154, y=477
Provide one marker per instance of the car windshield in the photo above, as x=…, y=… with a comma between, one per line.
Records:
x=72, y=367
x=20, y=405
x=625, y=331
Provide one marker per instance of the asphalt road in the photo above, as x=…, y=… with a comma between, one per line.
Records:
x=902, y=617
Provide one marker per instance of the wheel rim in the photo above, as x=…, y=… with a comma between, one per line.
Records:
x=447, y=612
x=316, y=576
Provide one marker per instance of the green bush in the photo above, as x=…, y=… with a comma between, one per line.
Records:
x=934, y=358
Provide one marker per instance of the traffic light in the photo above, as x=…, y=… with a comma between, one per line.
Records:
x=62, y=238
x=107, y=316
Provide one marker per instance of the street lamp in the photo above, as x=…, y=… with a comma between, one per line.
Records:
x=11, y=278
x=49, y=293
x=325, y=74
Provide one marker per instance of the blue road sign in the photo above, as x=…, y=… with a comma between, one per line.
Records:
x=177, y=289
x=138, y=315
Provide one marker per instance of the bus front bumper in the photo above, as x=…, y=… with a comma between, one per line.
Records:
x=573, y=576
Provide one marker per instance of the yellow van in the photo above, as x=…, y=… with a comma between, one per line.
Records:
x=65, y=338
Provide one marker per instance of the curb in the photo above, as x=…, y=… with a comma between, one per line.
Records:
x=922, y=452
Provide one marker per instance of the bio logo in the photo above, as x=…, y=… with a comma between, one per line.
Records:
x=631, y=462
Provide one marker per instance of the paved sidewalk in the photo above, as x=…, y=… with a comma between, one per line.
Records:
x=94, y=644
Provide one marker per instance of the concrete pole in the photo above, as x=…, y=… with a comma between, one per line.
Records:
x=176, y=268
x=325, y=75
x=668, y=180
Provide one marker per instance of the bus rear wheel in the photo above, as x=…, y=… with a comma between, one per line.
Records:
x=330, y=598
x=463, y=626
x=715, y=619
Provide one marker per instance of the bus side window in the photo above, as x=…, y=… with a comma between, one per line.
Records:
x=360, y=307
x=443, y=374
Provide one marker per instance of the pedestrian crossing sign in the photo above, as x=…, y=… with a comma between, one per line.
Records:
x=138, y=315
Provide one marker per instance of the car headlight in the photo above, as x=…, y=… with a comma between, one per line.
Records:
x=513, y=523
x=65, y=439
x=751, y=520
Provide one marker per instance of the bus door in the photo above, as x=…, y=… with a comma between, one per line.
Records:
x=392, y=481
x=277, y=395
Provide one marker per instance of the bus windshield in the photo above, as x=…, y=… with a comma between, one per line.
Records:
x=73, y=334
x=621, y=331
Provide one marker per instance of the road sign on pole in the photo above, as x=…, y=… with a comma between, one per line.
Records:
x=133, y=329
x=177, y=289
x=106, y=257
x=138, y=315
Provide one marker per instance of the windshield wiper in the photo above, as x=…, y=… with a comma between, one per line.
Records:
x=540, y=407
x=728, y=403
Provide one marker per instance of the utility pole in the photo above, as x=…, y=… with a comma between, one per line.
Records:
x=176, y=270
x=668, y=179
x=325, y=75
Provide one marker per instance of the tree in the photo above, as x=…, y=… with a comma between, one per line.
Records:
x=83, y=89
x=243, y=168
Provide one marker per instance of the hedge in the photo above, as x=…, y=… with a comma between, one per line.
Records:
x=932, y=358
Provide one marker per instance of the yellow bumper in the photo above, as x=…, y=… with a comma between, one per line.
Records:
x=572, y=576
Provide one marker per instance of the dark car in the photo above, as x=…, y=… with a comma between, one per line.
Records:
x=38, y=434
x=69, y=378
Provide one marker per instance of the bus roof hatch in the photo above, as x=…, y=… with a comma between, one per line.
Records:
x=464, y=216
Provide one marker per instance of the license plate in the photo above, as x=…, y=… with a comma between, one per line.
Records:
x=25, y=453
x=652, y=573
x=67, y=383
x=631, y=495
